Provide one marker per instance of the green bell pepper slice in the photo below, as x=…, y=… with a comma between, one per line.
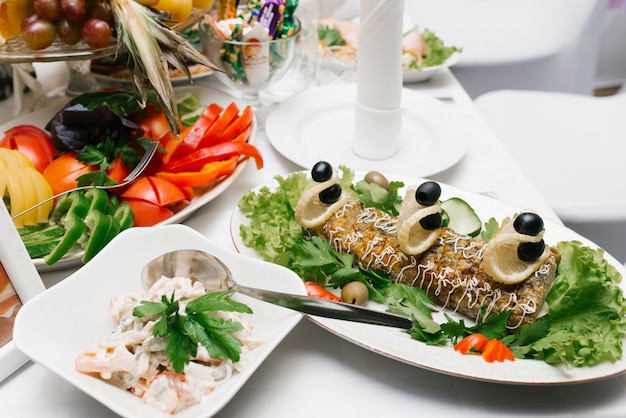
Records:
x=41, y=249
x=42, y=235
x=102, y=229
x=74, y=229
x=76, y=203
x=124, y=215
x=99, y=199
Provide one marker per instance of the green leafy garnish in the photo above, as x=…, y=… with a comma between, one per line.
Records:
x=372, y=195
x=330, y=36
x=436, y=51
x=489, y=230
x=586, y=320
x=199, y=324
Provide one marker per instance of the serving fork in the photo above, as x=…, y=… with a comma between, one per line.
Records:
x=132, y=176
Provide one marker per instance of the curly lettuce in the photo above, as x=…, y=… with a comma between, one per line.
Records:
x=586, y=321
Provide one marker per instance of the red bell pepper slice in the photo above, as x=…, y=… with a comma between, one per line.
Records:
x=243, y=136
x=473, y=342
x=190, y=138
x=199, y=158
x=226, y=118
x=496, y=350
x=239, y=125
x=315, y=290
x=209, y=173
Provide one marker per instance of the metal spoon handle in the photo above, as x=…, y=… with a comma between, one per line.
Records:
x=327, y=308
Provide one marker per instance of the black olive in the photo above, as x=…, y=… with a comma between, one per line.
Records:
x=428, y=193
x=322, y=171
x=431, y=222
x=528, y=223
x=330, y=194
x=530, y=251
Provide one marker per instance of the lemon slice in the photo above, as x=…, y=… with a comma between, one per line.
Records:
x=501, y=261
x=312, y=213
x=413, y=239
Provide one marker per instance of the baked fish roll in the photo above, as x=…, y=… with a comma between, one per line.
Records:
x=449, y=271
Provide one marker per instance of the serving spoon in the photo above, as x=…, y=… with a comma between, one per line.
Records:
x=207, y=269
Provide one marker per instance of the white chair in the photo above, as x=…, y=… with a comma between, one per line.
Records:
x=572, y=148
x=518, y=44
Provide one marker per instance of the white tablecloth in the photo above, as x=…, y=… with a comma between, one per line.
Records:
x=314, y=373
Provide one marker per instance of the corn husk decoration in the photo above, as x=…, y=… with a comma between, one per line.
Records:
x=151, y=45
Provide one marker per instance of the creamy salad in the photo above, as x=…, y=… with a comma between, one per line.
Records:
x=133, y=359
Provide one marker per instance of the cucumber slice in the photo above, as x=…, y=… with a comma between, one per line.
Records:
x=463, y=219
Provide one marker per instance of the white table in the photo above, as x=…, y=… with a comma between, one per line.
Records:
x=314, y=373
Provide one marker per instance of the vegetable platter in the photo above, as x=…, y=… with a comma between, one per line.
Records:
x=149, y=202
x=446, y=357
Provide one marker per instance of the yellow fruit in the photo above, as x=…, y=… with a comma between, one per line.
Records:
x=203, y=4
x=184, y=12
x=179, y=10
x=12, y=12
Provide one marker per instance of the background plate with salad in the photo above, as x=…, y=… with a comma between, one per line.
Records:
x=424, y=53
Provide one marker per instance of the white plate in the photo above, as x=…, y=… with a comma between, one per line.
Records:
x=56, y=326
x=109, y=80
x=202, y=195
x=398, y=345
x=425, y=74
x=318, y=124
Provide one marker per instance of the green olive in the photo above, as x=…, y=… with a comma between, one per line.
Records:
x=377, y=178
x=355, y=293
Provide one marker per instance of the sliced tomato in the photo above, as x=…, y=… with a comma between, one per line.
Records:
x=198, y=159
x=155, y=125
x=118, y=170
x=63, y=171
x=147, y=213
x=32, y=141
x=208, y=174
x=158, y=191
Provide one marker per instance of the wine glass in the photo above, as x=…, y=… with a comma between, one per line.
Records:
x=249, y=66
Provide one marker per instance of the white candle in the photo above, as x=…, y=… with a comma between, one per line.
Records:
x=379, y=56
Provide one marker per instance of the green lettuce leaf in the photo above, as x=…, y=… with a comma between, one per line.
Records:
x=585, y=322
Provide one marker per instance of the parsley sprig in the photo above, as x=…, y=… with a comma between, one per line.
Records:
x=330, y=36
x=198, y=324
